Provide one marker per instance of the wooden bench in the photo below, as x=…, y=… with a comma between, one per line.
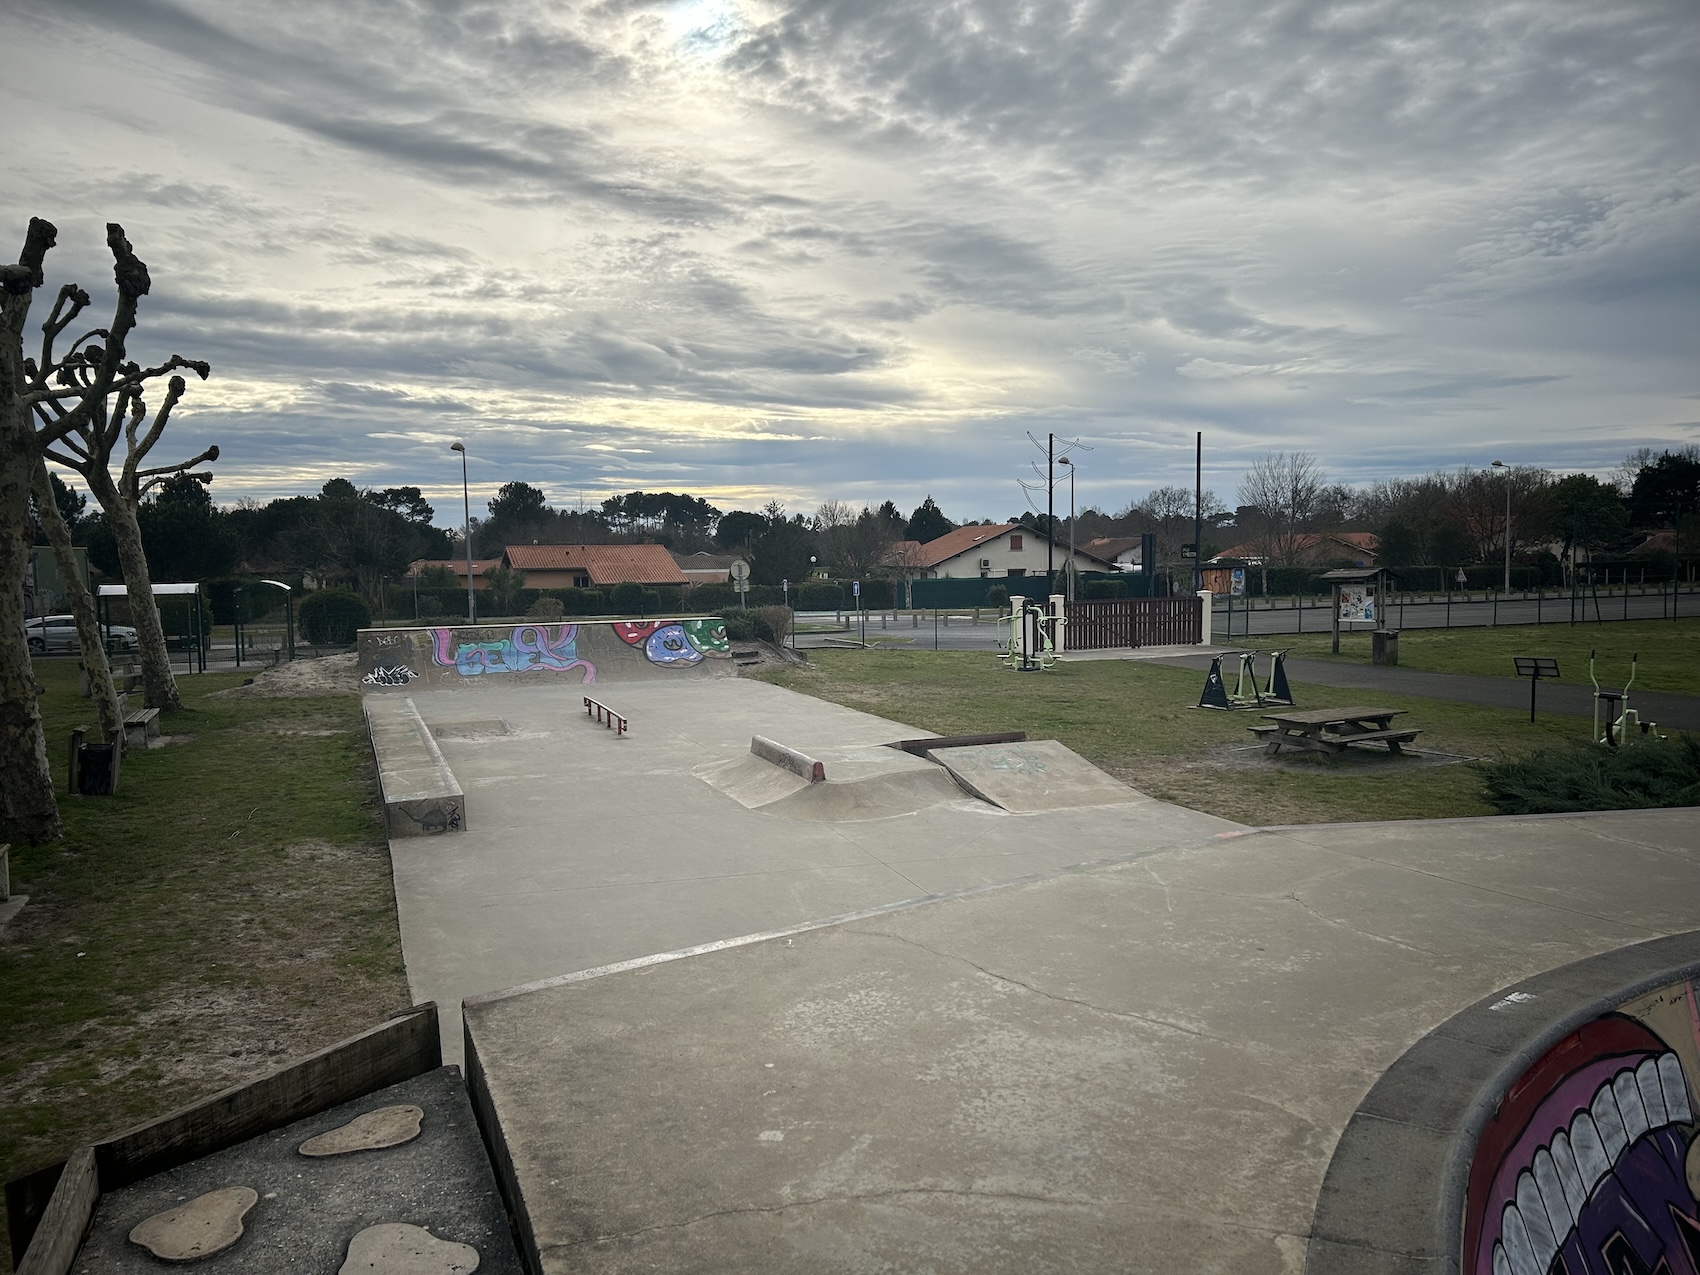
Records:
x=605, y=715
x=140, y=726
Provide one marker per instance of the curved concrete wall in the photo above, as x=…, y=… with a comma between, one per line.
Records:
x=1553, y=1126
x=581, y=652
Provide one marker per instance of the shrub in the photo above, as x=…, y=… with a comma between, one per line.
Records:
x=651, y=603
x=740, y=625
x=1106, y=589
x=1590, y=777
x=773, y=624
x=627, y=598
x=546, y=608
x=820, y=595
x=331, y=617
x=997, y=596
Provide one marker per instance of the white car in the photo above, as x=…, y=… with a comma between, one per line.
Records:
x=50, y=633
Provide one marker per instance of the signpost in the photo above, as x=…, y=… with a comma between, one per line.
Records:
x=741, y=577
x=856, y=593
x=1534, y=667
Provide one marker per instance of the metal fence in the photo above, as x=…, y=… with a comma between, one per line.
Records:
x=1107, y=623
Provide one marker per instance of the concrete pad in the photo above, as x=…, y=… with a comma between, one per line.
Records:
x=369, y=1131
x=206, y=1225
x=1143, y=1066
x=396, y=1248
x=1040, y=775
x=593, y=848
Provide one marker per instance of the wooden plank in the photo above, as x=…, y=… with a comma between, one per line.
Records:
x=60, y=1230
x=404, y=1047
x=1333, y=716
x=919, y=746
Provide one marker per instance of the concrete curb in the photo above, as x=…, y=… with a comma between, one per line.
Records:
x=788, y=758
x=1393, y=1196
x=421, y=795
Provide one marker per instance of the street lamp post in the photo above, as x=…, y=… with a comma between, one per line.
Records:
x=466, y=528
x=1499, y=464
x=1064, y=460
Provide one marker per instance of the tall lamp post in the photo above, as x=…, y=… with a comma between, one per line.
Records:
x=1499, y=464
x=1064, y=460
x=466, y=505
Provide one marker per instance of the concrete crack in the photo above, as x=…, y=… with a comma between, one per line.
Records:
x=1149, y=1019
x=814, y=1201
x=1352, y=929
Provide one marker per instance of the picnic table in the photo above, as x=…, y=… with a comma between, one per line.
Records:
x=1333, y=730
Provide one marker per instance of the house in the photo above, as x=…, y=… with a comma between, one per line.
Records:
x=1325, y=549
x=706, y=568
x=1121, y=550
x=586, y=566
x=458, y=567
x=1006, y=550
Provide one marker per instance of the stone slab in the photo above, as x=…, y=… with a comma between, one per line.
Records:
x=310, y=1209
x=369, y=1131
x=206, y=1225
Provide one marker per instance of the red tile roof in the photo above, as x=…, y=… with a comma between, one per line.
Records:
x=604, y=564
x=456, y=565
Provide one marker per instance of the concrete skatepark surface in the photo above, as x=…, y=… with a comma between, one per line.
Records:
x=309, y=1209
x=1144, y=1063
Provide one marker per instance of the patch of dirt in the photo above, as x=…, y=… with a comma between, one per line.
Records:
x=752, y=657
x=326, y=675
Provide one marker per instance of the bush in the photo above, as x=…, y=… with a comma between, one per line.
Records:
x=740, y=625
x=1106, y=589
x=997, y=596
x=546, y=609
x=1641, y=776
x=773, y=624
x=820, y=595
x=627, y=598
x=331, y=617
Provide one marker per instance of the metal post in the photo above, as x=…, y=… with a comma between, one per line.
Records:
x=1198, y=513
x=1337, y=619
x=1050, y=509
x=238, y=626
x=466, y=505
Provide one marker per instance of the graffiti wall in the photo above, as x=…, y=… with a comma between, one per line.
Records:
x=598, y=651
x=1591, y=1166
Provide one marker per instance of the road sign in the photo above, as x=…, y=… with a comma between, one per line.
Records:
x=1189, y=551
x=855, y=588
x=740, y=570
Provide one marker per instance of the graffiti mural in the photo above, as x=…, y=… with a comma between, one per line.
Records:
x=1591, y=1166
x=399, y=675
x=675, y=643
x=528, y=648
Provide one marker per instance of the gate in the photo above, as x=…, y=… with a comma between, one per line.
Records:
x=1104, y=623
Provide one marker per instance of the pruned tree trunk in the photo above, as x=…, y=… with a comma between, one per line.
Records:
x=159, y=687
x=82, y=608
x=28, y=811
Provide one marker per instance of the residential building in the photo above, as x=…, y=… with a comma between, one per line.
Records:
x=586, y=566
x=1007, y=550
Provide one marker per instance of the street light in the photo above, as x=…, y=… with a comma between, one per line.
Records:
x=1064, y=460
x=1499, y=464
x=466, y=504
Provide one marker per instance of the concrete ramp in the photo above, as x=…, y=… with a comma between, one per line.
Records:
x=1034, y=776
x=856, y=784
x=421, y=795
x=540, y=653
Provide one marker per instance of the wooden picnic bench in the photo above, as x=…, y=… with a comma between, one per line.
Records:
x=141, y=725
x=1333, y=730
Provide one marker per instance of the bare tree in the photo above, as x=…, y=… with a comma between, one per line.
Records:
x=85, y=401
x=1168, y=512
x=1478, y=502
x=1284, y=490
x=906, y=559
x=80, y=602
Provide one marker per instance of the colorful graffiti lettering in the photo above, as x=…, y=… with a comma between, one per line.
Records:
x=528, y=648
x=1592, y=1163
x=675, y=643
x=400, y=675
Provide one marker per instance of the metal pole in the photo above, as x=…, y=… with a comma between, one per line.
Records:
x=238, y=626
x=1198, y=513
x=1508, y=530
x=466, y=527
x=1050, y=510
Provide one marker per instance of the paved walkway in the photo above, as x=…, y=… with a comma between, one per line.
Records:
x=1673, y=712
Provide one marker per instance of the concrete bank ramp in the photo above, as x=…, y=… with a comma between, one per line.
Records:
x=1034, y=776
x=537, y=653
x=859, y=784
x=421, y=795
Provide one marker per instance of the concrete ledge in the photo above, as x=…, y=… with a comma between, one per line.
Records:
x=1393, y=1198
x=797, y=763
x=421, y=795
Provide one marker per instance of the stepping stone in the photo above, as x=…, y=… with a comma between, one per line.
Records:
x=372, y=1131
x=395, y=1248
x=206, y=1225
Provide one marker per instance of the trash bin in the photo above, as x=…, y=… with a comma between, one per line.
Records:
x=1384, y=648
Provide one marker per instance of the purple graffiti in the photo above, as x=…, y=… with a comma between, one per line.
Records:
x=528, y=648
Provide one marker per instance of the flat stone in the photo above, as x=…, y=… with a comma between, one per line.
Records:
x=395, y=1248
x=206, y=1225
x=370, y=1131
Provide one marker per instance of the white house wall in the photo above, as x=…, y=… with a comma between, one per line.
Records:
x=1030, y=558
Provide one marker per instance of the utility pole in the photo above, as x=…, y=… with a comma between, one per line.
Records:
x=1198, y=513
x=1050, y=509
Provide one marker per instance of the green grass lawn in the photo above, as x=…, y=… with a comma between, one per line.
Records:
x=1669, y=650
x=1136, y=720
x=230, y=908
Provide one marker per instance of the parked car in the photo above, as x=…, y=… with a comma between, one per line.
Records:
x=50, y=633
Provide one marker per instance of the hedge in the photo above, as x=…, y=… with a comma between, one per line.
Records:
x=332, y=617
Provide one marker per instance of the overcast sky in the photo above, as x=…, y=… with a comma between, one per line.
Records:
x=858, y=249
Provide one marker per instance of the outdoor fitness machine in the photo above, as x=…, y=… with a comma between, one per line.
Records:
x=1536, y=667
x=1246, y=693
x=1035, y=635
x=1622, y=723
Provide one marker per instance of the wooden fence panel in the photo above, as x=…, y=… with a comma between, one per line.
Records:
x=1104, y=624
